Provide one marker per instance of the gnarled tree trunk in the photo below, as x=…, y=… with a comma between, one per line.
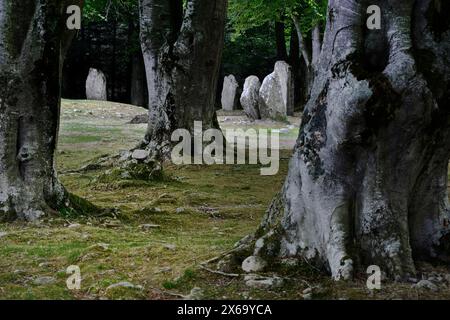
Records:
x=367, y=184
x=33, y=42
x=182, y=50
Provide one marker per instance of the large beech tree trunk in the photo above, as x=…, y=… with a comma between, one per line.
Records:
x=33, y=42
x=182, y=48
x=367, y=184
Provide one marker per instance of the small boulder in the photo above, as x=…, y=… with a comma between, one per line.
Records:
x=124, y=284
x=254, y=264
x=43, y=281
x=140, y=155
x=425, y=284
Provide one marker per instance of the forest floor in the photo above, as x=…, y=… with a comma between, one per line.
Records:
x=164, y=229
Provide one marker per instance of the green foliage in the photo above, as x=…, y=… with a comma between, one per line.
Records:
x=247, y=14
x=252, y=52
x=102, y=10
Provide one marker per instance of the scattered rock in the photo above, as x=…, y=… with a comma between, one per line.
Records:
x=230, y=93
x=150, y=226
x=85, y=236
x=250, y=98
x=112, y=224
x=3, y=234
x=44, y=264
x=195, y=294
x=180, y=210
x=140, y=154
x=164, y=270
x=447, y=278
x=101, y=246
x=96, y=85
x=254, y=264
x=140, y=119
x=42, y=281
x=110, y=271
x=425, y=284
x=124, y=284
x=74, y=226
x=307, y=296
x=171, y=247
x=307, y=290
x=255, y=281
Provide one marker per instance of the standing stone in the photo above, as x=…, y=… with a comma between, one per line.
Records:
x=230, y=97
x=250, y=97
x=96, y=85
x=276, y=96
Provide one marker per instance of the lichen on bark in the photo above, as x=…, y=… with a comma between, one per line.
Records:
x=367, y=182
x=31, y=57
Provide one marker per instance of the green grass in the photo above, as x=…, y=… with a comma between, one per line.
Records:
x=159, y=259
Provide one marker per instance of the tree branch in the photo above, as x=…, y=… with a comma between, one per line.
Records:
x=301, y=41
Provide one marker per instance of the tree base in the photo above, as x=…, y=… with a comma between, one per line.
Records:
x=62, y=204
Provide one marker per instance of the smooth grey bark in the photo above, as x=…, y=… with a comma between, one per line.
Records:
x=316, y=44
x=182, y=51
x=33, y=43
x=367, y=184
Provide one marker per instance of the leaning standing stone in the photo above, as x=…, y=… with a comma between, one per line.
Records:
x=250, y=97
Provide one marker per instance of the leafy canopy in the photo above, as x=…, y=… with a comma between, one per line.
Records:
x=102, y=10
x=247, y=14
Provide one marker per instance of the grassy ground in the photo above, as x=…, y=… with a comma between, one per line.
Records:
x=165, y=229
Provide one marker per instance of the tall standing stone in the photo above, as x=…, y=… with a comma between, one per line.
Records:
x=276, y=95
x=250, y=97
x=230, y=97
x=96, y=85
